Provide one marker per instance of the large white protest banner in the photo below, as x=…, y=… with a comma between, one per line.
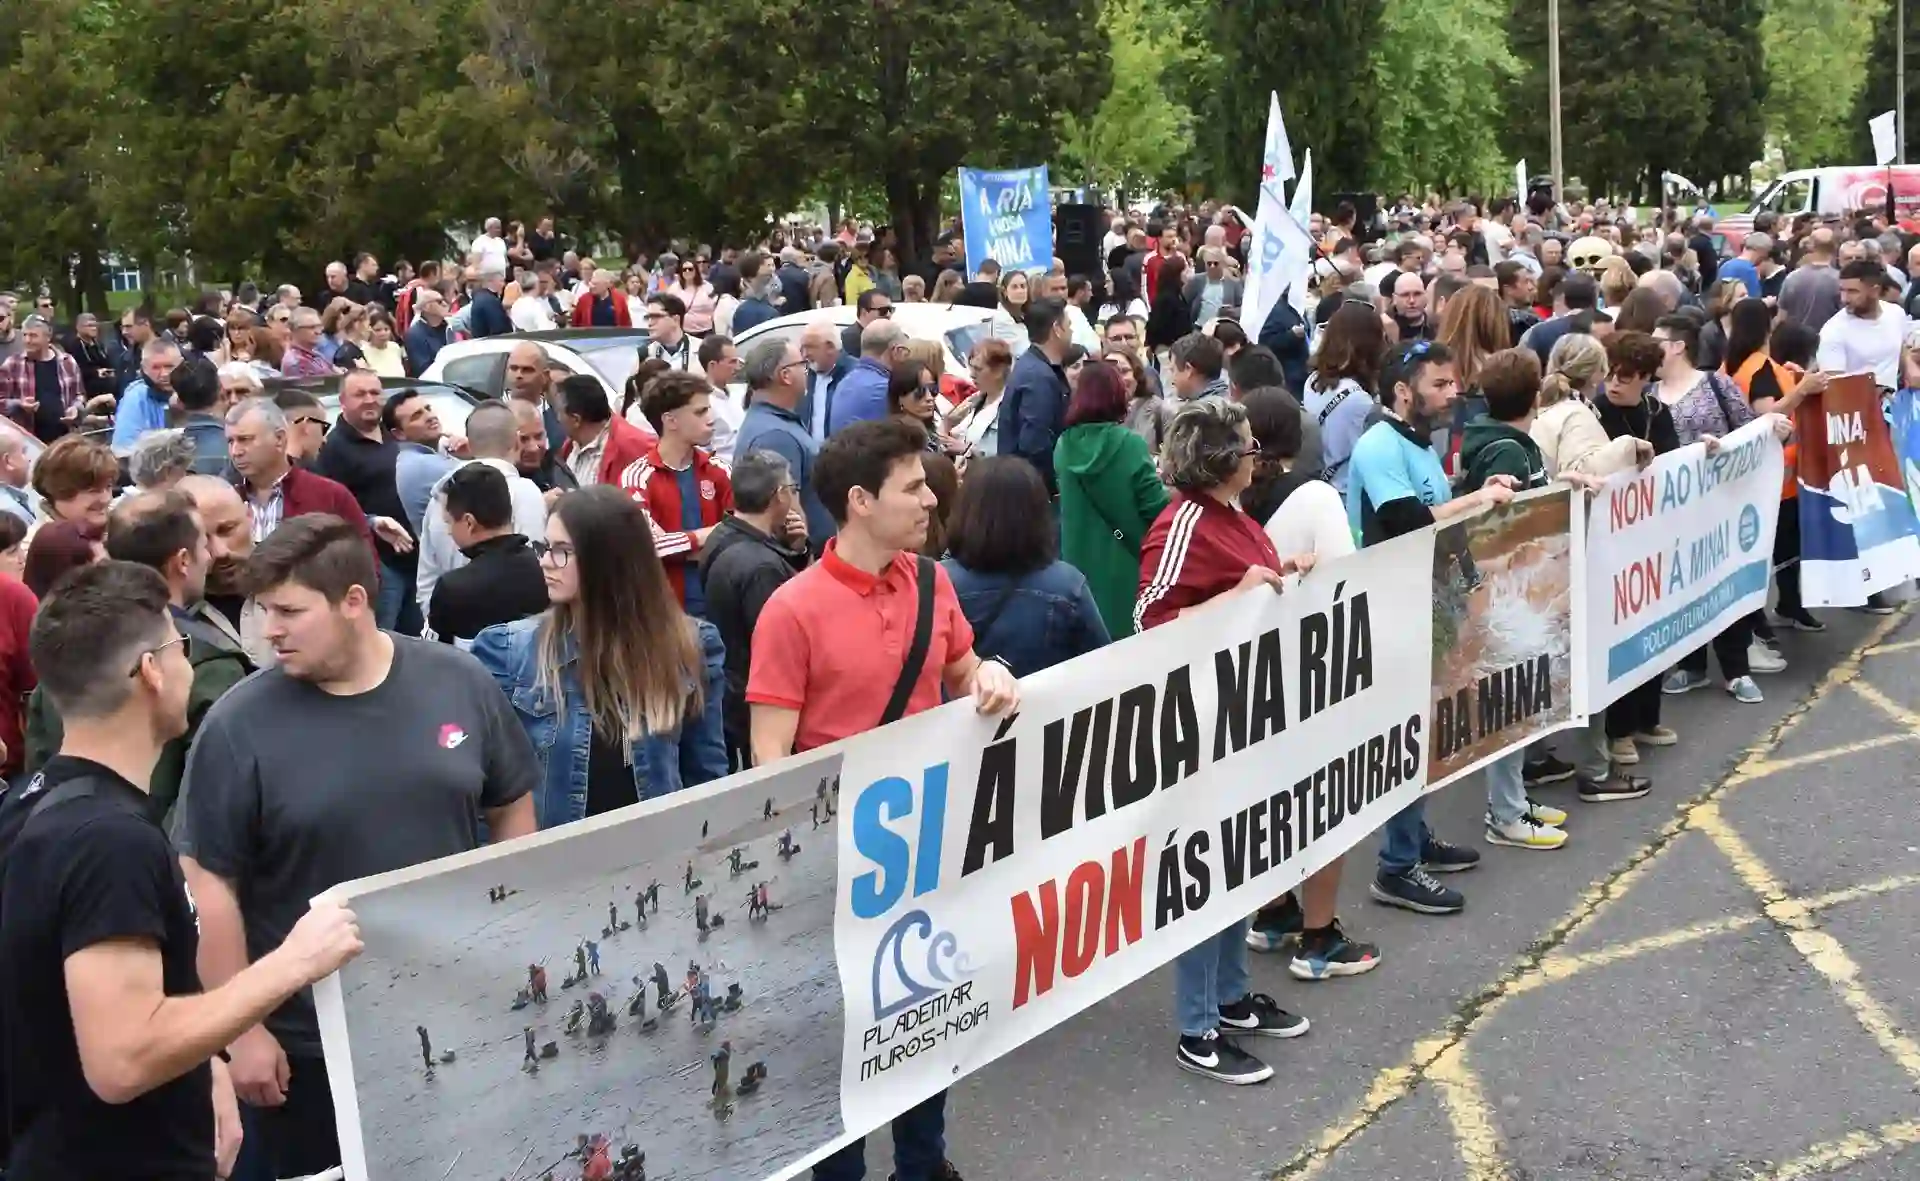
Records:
x=937, y=893
x=1000, y=878
x=1676, y=552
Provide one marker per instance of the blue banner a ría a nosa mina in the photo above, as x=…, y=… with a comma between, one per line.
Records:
x=1007, y=217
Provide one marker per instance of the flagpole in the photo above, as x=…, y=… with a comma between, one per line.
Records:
x=1553, y=100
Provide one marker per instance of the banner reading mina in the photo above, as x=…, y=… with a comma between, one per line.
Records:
x=1507, y=618
x=998, y=879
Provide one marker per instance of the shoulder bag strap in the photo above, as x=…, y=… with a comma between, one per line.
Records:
x=1094, y=504
x=917, y=650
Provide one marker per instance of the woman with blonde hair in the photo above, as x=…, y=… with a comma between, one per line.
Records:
x=948, y=285
x=1617, y=281
x=1566, y=428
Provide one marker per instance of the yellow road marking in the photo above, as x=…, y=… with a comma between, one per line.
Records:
x=1821, y=950
x=1762, y=768
x=1396, y=1082
x=1887, y=705
x=1474, y=1130
x=1847, y=1151
x=1890, y=649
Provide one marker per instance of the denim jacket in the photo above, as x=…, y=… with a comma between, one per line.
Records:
x=562, y=737
x=1048, y=619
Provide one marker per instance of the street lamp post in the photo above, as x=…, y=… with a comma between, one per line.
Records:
x=1553, y=102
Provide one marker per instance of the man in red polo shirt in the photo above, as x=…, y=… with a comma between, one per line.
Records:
x=833, y=642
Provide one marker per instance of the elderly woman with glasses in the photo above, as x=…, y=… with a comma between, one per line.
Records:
x=1220, y=551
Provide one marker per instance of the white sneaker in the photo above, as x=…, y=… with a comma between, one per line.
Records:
x=1762, y=659
x=1524, y=833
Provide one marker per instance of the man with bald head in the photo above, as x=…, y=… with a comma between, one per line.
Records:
x=530, y=380
x=493, y=439
x=1811, y=293
x=1409, y=308
x=336, y=287
x=827, y=366
x=535, y=458
x=862, y=395
x=163, y=530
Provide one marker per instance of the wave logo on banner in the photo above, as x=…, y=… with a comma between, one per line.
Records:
x=1858, y=531
x=1676, y=552
x=1007, y=216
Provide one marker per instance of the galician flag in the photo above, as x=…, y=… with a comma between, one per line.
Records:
x=1276, y=163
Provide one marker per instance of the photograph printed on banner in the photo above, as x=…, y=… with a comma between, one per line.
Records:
x=1502, y=630
x=653, y=995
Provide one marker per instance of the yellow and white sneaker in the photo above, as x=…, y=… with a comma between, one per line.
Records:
x=1525, y=833
x=1546, y=814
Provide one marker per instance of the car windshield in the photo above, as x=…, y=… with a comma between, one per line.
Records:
x=614, y=358
x=962, y=339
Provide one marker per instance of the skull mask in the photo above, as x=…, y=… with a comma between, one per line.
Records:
x=1589, y=254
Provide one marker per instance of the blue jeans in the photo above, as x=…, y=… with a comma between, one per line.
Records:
x=919, y=1145
x=1209, y=975
x=1506, y=787
x=395, y=609
x=1403, y=838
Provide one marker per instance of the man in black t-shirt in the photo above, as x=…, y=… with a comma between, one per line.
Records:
x=361, y=752
x=109, y=1066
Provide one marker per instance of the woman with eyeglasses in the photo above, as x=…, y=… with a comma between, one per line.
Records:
x=1203, y=547
x=699, y=297
x=619, y=690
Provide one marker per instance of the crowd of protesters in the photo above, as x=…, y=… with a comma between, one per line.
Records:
x=236, y=638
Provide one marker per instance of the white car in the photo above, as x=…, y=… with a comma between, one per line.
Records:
x=609, y=354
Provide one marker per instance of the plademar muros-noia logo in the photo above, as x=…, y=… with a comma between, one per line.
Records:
x=921, y=994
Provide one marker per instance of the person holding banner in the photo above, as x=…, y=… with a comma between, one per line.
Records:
x=1302, y=514
x=1203, y=547
x=1397, y=486
x=864, y=637
x=1706, y=406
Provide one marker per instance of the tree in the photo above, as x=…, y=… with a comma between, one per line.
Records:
x=1736, y=91
x=903, y=90
x=1634, y=80
x=1140, y=129
x=52, y=82
x=1314, y=53
x=1876, y=95
x=1446, y=64
x=292, y=137
x=1816, y=55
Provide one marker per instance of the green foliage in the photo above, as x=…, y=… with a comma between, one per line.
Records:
x=1635, y=89
x=905, y=90
x=1816, y=57
x=1314, y=52
x=1141, y=128
x=1736, y=91
x=1876, y=95
x=1445, y=63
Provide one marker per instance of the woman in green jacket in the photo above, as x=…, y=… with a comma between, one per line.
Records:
x=1109, y=493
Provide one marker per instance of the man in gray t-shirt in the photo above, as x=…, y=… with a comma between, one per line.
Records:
x=363, y=752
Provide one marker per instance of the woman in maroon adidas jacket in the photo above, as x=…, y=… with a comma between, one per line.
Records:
x=1201, y=547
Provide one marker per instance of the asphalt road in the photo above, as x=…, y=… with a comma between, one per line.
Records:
x=1719, y=981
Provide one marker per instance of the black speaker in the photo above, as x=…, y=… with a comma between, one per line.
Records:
x=1077, y=230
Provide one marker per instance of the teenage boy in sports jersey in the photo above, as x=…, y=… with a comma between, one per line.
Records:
x=1396, y=485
